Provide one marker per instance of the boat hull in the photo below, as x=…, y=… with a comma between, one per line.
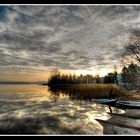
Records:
x=119, y=103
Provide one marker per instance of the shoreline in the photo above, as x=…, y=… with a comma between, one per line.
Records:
x=96, y=91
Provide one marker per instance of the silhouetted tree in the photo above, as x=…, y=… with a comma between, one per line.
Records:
x=125, y=75
x=130, y=76
x=110, y=78
x=97, y=78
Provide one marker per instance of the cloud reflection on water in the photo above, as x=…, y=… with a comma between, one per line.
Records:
x=32, y=109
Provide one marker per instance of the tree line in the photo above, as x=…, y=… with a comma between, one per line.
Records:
x=58, y=78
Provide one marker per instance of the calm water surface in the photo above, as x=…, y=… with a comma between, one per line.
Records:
x=33, y=109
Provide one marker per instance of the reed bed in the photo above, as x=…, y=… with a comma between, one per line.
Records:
x=89, y=91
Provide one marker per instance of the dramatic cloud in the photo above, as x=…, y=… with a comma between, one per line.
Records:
x=67, y=37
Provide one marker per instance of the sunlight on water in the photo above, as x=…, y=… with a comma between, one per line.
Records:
x=33, y=109
x=20, y=113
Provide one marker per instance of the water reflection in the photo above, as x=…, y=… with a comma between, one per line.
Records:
x=81, y=92
x=63, y=91
x=33, y=109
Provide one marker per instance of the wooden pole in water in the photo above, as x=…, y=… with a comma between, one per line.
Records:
x=110, y=109
x=109, y=96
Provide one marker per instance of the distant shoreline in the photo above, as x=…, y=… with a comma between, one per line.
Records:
x=15, y=83
x=21, y=83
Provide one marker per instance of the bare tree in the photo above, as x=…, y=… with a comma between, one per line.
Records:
x=130, y=56
x=131, y=51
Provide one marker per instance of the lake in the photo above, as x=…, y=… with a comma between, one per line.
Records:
x=34, y=109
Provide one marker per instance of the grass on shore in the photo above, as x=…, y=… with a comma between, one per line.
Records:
x=88, y=91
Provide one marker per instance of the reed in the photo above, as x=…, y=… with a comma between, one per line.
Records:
x=88, y=91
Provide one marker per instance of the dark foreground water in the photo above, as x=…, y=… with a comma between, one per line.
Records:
x=33, y=109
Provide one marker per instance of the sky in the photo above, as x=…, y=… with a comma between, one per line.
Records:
x=78, y=39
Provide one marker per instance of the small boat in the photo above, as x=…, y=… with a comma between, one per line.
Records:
x=106, y=101
x=119, y=103
x=128, y=104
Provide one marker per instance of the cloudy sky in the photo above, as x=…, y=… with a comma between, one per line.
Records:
x=35, y=39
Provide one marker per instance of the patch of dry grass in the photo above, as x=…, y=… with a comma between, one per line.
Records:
x=131, y=96
x=94, y=91
x=99, y=90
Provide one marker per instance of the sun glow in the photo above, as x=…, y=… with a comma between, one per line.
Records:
x=102, y=72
